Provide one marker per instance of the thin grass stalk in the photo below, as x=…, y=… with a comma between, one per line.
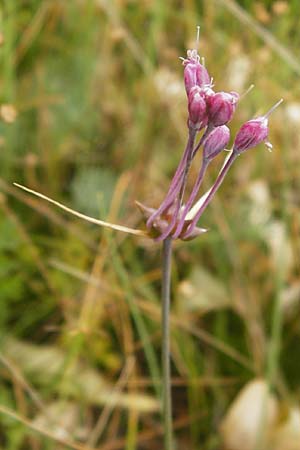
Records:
x=276, y=331
x=166, y=366
x=138, y=320
x=273, y=355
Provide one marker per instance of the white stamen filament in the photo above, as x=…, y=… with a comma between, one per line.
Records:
x=198, y=37
x=273, y=107
x=247, y=91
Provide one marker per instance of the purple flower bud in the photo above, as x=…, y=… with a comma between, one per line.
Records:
x=216, y=142
x=197, y=108
x=254, y=132
x=221, y=107
x=190, y=76
x=203, y=78
x=251, y=134
x=195, y=74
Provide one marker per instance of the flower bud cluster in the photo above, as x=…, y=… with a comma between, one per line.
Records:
x=204, y=105
x=209, y=111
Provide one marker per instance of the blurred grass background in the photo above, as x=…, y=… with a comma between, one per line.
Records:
x=93, y=114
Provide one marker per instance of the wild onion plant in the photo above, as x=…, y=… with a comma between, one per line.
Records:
x=177, y=217
x=209, y=112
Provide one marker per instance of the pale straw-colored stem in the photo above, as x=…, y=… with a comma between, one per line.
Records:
x=211, y=193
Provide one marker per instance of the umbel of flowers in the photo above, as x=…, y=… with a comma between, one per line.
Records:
x=209, y=113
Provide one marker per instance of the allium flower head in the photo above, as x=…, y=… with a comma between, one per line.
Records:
x=208, y=114
x=221, y=107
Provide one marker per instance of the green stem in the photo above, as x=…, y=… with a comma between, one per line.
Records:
x=273, y=357
x=166, y=372
x=274, y=346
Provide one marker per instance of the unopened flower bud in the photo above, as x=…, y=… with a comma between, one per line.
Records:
x=195, y=74
x=203, y=78
x=197, y=108
x=216, y=142
x=253, y=132
x=221, y=107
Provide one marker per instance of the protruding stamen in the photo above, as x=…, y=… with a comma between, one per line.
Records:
x=247, y=91
x=193, y=55
x=198, y=37
x=273, y=108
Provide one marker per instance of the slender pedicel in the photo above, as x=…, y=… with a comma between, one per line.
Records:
x=184, y=169
x=176, y=182
x=191, y=199
x=210, y=195
x=215, y=142
x=172, y=223
x=178, y=200
x=205, y=135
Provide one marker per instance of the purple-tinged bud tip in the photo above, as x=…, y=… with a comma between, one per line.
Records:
x=195, y=74
x=216, y=141
x=254, y=132
x=195, y=233
x=221, y=107
x=197, y=108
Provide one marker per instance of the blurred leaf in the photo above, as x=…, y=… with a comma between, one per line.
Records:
x=202, y=292
x=62, y=419
x=250, y=418
x=44, y=363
